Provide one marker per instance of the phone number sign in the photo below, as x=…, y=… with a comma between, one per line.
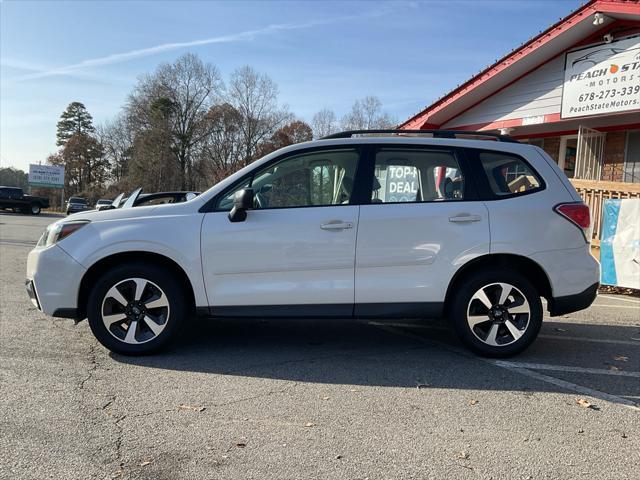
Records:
x=602, y=79
x=46, y=176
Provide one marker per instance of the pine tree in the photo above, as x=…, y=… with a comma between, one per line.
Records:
x=75, y=119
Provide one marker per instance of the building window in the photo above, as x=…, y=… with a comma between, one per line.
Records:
x=632, y=158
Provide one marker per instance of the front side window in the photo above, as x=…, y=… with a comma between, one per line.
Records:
x=508, y=174
x=412, y=175
x=311, y=179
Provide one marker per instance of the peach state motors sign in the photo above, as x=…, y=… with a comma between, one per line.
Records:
x=602, y=79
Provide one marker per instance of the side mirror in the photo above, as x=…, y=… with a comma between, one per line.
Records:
x=242, y=201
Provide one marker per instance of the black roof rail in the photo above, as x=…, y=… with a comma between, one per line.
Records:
x=433, y=133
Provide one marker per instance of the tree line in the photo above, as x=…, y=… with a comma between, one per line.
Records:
x=184, y=128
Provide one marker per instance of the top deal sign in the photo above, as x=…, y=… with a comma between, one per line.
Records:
x=602, y=79
x=46, y=176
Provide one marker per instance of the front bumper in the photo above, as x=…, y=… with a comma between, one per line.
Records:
x=53, y=280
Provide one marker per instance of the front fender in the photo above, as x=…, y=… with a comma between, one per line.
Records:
x=176, y=237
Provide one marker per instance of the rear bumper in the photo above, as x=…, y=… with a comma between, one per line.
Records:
x=573, y=303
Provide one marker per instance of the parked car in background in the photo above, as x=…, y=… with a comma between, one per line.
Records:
x=164, y=197
x=76, y=204
x=352, y=225
x=13, y=198
x=103, y=204
x=137, y=199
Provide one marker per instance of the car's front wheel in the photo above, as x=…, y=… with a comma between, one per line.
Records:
x=136, y=309
x=496, y=313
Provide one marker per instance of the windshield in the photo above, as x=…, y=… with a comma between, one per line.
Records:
x=77, y=200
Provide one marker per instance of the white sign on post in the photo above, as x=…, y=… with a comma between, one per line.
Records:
x=602, y=79
x=46, y=176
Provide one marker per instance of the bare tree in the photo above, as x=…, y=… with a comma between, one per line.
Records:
x=222, y=151
x=255, y=97
x=183, y=91
x=116, y=139
x=324, y=123
x=366, y=114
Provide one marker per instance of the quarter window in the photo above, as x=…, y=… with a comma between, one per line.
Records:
x=312, y=179
x=507, y=174
x=412, y=175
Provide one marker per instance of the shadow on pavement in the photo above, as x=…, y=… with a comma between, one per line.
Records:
x=353, y=353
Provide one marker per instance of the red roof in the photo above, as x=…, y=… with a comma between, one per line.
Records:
x=558, y=38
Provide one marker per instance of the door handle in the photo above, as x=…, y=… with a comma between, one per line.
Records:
x=465, y=218
x=336, y=225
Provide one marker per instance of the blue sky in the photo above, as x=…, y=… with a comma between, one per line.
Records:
x=321, y=54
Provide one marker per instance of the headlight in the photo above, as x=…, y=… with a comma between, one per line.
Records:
x=57, y=231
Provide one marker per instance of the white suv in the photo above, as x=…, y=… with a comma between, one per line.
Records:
x=352, y=225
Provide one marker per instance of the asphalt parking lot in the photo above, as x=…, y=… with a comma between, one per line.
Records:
x=313, y=399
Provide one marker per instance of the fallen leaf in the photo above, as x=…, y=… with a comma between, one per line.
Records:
x=422, y=385
x=194, y=408
x=326, y=398
x=463, y=456
x=309, y=424
x=241, y=444
x=473, y=402
x=338, y=457
x=584, y=403
x=145, y=463
x=621, y=358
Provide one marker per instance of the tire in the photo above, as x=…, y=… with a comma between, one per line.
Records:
x=513, y=319
x=35, y=209
x=112, y=308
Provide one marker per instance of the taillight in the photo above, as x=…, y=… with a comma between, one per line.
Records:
x=577, y=213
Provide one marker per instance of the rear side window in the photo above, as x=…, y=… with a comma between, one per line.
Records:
x=508, y=174
x=414, y=175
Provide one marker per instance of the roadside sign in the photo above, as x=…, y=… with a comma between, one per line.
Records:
x=46, y=176
x=602, y=79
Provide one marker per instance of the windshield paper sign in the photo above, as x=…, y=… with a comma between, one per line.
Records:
x=602, y=79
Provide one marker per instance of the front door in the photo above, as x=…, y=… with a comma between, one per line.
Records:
x=419, y=226
x=294, y=254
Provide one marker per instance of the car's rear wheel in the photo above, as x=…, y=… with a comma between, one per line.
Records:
x=35, y=209
x=496, y=313
x=136, y=309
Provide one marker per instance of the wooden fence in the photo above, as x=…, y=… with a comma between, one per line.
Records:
x=595, y=192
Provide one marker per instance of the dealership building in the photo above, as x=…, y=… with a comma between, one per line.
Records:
x=573, y=90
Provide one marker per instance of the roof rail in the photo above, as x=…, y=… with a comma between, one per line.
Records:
x=433, y=133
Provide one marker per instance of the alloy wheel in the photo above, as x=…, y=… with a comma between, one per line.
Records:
x=135, y=310
x=498, y=314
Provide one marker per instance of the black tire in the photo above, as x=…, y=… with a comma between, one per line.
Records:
x=35, y=209
x=460, y=306
x=158, y=277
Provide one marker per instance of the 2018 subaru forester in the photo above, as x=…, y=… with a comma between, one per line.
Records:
x=353, y=225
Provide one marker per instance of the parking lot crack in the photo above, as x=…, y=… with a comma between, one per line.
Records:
x=93, y=365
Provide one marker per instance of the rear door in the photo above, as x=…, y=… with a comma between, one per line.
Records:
x=422, y=222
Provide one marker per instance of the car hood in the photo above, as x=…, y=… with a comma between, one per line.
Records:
x=134, y=212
